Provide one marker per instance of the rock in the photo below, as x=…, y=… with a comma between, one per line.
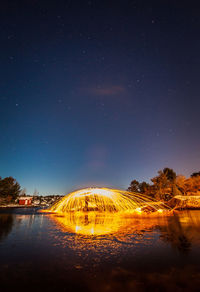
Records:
x=185, y=202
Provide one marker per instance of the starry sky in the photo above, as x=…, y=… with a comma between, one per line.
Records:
x=97, y=93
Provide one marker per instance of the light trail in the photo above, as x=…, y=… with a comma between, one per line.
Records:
x=107, y=200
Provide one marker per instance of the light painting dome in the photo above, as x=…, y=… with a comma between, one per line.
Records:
x=106, y=200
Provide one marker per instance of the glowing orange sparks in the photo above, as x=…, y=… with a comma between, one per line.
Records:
x=106, y=200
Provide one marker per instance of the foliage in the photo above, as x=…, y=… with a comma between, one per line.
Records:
x=23, y=192
x=167, y=184
x=170, y=174
x=144, y=187
x=134, y=186
x=188, y=186
x=137, y=187
x=9, y=188
x=162, y=185
x=195, y=174
x=162, y=188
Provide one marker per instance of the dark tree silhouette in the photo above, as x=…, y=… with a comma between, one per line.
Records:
x=134, y=186
x=195, y=174
x=9, y=188
x=163, y=187
x=170, y=174
x=138, y=187
x=144, y=187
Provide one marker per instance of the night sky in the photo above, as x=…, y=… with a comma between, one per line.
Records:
x=97, y=93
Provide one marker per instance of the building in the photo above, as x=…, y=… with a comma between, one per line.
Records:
x=25, y=201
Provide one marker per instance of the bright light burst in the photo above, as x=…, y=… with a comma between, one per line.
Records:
x=106, y=200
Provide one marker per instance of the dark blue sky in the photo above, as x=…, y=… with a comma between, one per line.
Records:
x=97, y=92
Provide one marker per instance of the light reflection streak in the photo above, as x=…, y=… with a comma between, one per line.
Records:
x=112, y=234
x=96, y=223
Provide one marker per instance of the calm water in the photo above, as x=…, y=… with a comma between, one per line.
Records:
x=42, y=252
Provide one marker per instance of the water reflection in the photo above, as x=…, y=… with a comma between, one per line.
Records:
x=100, y=252
x=180, y=230
x=6, y=224
x=167, y=279
x=90, y=223
x=142, y=241
x=97, y=224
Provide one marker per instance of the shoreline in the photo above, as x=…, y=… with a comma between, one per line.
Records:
x=13, y=206
x=18, y=206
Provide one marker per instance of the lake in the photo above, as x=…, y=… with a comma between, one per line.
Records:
x=95, y=252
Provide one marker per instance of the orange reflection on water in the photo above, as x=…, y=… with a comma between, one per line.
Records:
x=105, y=233
x=94, y=223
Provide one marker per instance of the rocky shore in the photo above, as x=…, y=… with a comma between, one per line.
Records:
x=185, y=202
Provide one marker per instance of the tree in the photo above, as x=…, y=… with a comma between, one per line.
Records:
x=164, y=184
x=193, y=185
x=188, y=186
x=144, y=187
x=9, y=188
x=170, y=174
x=167, y=184
x=195, y=174
x=181, y=184
x=134, y=186
x=23, y=192
x=161, y=185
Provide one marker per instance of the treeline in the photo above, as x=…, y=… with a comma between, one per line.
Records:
x=167, y=184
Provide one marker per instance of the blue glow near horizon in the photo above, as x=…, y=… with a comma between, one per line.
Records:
x=98, y=106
